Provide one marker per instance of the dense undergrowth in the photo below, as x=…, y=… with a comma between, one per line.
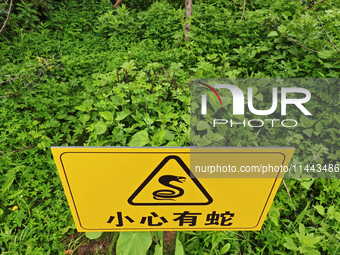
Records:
x=83, y=74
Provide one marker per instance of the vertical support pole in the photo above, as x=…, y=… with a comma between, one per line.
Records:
x=169, y=242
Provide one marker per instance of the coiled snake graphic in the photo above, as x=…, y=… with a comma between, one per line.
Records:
x=168, y=194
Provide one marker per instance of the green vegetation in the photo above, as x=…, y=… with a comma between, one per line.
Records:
x=79, y=73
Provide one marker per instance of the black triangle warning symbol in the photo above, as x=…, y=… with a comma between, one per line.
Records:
x=170, y=184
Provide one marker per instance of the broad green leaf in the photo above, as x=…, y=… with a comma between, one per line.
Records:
x=133, y=243
x=289, y=244
x=337, y=216
x=282, y=28
x=100, y=128
x=81, y=108
x=158, y=137
x=204, y=141
x=107, y=115
x=122, y=115
x=304, y=119
x=308, y=132
x=54, y=123
x=169, y=136
x=158, y=250
x=307, y=184
x=326, y=54
x=202, y=125
x=186, y=118
x=179, y=248
x=93, y=235
x=331, y=211
x=259, y=97
x=298, y=136
x=218, y=137
x=306, y=122
x=86, y=106
x=139, y=139
x=272, y=33
x=117, y=100
x=318, y=126
x=320, y=209
x=332, y=156
x=84, y=118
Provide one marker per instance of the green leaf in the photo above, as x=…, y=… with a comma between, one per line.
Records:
x=10, y=176
x=320, y=209
x=337, y=117
x=282, y=28
x=169, y=136
x=84, y=118
x=54, y=123
x=202, y=125
x=158, y=137
x=100, y=128
x=274, y=215
x=186, y=118
x=272, y=33
x=81, y=108
x=308, y=132
x=172, y=144
x=290, y=244
x=259, y=97
x=205, y=141
x=326, y=54
x=132, y=243
x=122, y=115
x=107, y=115
x=298, y=136
x=306, y=122
x=93, y=235
x=337, y=216
x=179, y=248
x=225, y=248
x=309, y=251
x=318, y=126
x=139, y=139
x=158, y=250
x=307, y=184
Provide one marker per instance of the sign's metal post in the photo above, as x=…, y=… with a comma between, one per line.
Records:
x=169, y=242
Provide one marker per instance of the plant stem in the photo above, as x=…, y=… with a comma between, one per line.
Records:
x=244, y=8
x=329, y=38
x=294, y=40
x=9, y=13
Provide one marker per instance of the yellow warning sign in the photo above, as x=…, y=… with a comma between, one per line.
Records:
x=142, y=189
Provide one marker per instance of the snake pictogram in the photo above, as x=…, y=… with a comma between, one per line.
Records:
x=167, y=194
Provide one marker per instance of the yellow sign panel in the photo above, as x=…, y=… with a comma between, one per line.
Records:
x=142, y=189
